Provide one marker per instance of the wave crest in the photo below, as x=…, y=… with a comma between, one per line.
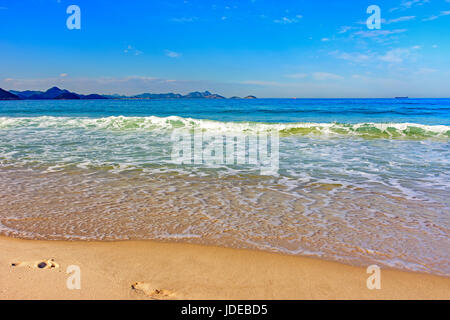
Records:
x=369, y=130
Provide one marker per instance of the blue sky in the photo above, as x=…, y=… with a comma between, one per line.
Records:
x=265, y=48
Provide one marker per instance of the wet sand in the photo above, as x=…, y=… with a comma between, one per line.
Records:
x=153, y=270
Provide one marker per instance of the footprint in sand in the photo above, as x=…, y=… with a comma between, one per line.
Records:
x=151, y=291
x=41, y=264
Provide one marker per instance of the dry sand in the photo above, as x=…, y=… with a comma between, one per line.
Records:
x=153, y=270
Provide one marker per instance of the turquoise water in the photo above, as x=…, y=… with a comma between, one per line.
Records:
x=421, y=111
x=359, y=181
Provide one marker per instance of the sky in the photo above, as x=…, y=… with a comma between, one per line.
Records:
x=302, y=48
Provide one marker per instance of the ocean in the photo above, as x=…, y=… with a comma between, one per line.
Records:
x=359, y=181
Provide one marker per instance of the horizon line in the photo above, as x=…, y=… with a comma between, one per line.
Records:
x=132, y=97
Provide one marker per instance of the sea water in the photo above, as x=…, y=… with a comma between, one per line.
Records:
x=359, y=181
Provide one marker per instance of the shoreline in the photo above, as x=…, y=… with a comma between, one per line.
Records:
x=165, y=270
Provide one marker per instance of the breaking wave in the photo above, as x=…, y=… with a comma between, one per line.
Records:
x=366, y=130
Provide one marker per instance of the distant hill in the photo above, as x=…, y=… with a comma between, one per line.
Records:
x=115, y=96
x=5, y=95
x=214, y=96
x=25, y=94
x=92, y=96
x=158, y=96
x=51, y=93
x=202, y=95
x=170, y=95
x=56, y=93
x=197, y=95
x=67, y=96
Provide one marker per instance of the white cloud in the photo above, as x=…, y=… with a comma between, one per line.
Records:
x=325, y=39
x=297, y=75
x=344, y=29
x=321, y=76
x=286, y=20
x=410, y=3
x=264, y=83
x=399, y=19
x=172, y=54
x=396, y=55
x=431, y=18
x=132, y=50
x=184, y=19
x=424, y=71
x=377, y=33
x=63, y=75
x=399, y=55
x=326, y=76
x=407, y=4
x=434, y=17
x=353, y=57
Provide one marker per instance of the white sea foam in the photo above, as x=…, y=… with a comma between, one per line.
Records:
x=383, y=130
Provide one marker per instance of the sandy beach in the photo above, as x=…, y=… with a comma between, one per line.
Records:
x=153, y=270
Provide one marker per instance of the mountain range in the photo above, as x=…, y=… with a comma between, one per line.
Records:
x=5, y=95
x=56, y=93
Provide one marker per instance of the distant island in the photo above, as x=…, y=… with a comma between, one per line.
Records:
x=56, y=93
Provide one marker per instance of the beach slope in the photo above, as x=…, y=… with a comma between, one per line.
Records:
x=32, y=269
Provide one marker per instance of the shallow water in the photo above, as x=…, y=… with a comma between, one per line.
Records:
x=359, y=181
